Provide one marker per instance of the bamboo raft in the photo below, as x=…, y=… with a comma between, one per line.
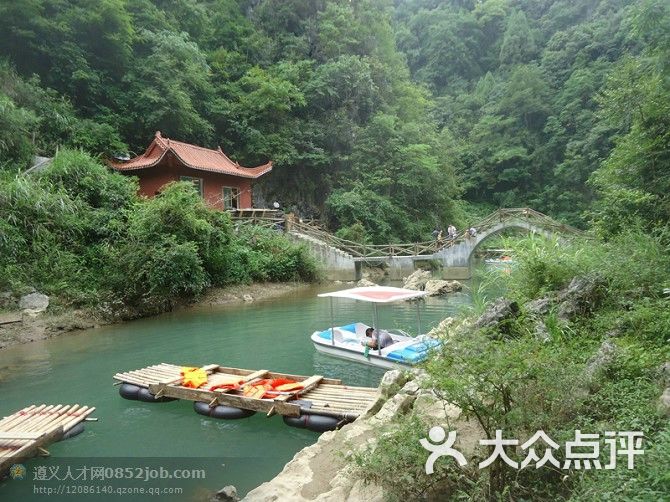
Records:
x=27, y=432
x=319, y=395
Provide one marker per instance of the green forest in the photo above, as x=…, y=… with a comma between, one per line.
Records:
x=383, y=118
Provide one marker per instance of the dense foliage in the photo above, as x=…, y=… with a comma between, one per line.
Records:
x=80, y=232
x=520, y=380
x=375, y=112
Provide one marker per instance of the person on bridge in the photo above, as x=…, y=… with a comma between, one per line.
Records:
x=472, y=232
x=451, y=232
x=377, y=339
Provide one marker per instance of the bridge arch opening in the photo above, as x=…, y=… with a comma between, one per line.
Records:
x=508, y=228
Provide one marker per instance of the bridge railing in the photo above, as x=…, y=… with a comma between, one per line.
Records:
x=424, y=248
x=360, y=250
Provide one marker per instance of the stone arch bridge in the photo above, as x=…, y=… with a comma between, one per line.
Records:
x=343, y=259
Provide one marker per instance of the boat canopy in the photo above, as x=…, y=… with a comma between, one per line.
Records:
x=376, y=294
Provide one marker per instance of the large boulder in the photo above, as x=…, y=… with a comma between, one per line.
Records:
x=437, y=287
x=392, y=382
x=417, y=280
x=580, y=297
x=497, y=313
x=7, y=300
x=396, y=406
x=538, y=307
x=599, y=362
x=35, y=302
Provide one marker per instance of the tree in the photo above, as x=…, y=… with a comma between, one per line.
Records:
x=518, y=43
x=166, y=90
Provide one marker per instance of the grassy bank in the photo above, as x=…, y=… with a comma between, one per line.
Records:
x=580, y=345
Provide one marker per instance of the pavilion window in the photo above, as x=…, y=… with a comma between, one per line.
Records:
x=197, y=182
x=231, y=198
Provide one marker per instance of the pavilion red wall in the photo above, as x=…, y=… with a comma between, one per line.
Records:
x=152, y=179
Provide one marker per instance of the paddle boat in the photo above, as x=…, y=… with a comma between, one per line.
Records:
x=346, y=341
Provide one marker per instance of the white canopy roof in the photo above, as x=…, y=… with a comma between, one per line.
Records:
x=376, y=294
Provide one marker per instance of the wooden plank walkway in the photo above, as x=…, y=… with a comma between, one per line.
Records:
x=25, y=433
x=319, y=395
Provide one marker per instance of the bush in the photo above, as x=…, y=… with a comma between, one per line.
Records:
x=649, y=481
x=78, y=230
x=85, y=179
x=634, y=260
x=396, y=462
x=151, y=276
x=273, y=257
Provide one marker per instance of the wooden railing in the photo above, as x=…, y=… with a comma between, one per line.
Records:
x=425, y=248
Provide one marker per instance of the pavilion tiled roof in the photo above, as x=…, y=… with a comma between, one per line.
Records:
x=195, y=157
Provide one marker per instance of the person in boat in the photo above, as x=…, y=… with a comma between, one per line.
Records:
x=377, y=339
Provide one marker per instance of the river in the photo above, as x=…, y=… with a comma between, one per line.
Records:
x=271, y=334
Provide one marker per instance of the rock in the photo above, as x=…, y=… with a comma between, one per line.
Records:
x=421, y=377
x=441, y=329
x=227, y=494
x=392, y=382
x=581, y=295
x=366, y=491
x=364, y=283
x=541, y=332
x=7, y=300
x=248, y=298
x=428, y=405
x=36, y=302
x=663, y=373
x=394, y=407
x=417, y=280
x=603, y=358
x=664, y=403
x=538, y=307
x=436, y=287
x=30, y=313
x=411, y=387
x=496, y=313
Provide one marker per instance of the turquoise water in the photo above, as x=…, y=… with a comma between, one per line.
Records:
x=271, y=334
